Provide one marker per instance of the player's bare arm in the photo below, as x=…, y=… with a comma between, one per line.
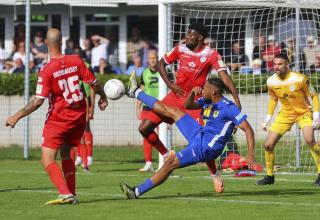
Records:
x=246, y=127
x=103, y=101
x=164, y=75
x=189, y=103
x=229, y=84
x=92, y=102
x=33, y=105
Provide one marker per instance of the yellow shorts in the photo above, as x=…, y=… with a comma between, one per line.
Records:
x=283, y=122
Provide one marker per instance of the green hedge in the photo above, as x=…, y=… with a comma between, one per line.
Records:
x=246, y=84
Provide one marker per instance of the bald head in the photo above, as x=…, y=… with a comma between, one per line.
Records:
x=54, y=37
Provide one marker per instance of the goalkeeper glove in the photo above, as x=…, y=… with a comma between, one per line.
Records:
x=266, y=122
x=316, y=120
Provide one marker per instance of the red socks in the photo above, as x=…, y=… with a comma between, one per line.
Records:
x=147, y=150
x=56, y=178
x=83, y=154
x=89, y=142
x=69, y=172
x=212, y=167
x=154, y=140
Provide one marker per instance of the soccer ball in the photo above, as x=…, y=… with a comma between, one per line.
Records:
x=114, y=89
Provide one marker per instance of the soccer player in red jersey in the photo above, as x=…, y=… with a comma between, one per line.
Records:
x=195, y=60
x=66, y=119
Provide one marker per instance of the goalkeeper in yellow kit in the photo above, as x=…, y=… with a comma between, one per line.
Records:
x=292, y=89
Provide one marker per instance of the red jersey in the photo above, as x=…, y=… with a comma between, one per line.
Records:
x=194, y=66
x=59, y=81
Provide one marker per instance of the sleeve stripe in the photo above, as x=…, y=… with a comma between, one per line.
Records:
x=222, y=68
x=165, y=60
x=94, y=81
x=41, y=97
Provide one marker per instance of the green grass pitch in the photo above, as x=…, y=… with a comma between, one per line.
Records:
x=188, y=194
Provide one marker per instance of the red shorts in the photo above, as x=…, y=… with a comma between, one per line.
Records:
x=57, y=134
x=173, y=101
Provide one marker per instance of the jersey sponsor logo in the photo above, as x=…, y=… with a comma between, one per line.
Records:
x=292, y=88
x=154, y=80
x=203, y=59
x=40, y=79
x=39, y=89
x=65, y=71
x=192, y=64
x=239, y=116
x=215, y=114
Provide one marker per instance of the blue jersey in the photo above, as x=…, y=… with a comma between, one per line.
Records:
x=220, y=119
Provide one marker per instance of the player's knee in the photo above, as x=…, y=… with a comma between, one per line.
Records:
x=268, y=146
x=145, y=128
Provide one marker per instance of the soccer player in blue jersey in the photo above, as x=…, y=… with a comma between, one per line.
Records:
x=205, y=142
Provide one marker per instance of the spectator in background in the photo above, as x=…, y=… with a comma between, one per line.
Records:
x=8, y=66
x=137, y=65
x=104, y=67
x=99, y=51
x=21, y=54
x=19, y=34
x=316, y=66
x=86, y=47
x=69, y=47
x=147, y=45
x=311, y=51
x=291, y=53
x=40, y=51
x=134, y=45
x=3, y=55
x=259, y=50
x=272, y=50
x=18, y=66
x=256, y=67
x=211, y=42
x=237, y=58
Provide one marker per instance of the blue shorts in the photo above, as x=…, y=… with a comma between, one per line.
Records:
x=197, y=149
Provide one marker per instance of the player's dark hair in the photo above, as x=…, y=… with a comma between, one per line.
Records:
x=218, y=83
x=200, y=28
x=282, y=56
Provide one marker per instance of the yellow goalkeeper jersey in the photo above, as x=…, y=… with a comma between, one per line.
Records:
x=293, y=93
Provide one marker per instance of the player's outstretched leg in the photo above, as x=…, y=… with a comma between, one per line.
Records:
x=157, y=106
x=171, y=163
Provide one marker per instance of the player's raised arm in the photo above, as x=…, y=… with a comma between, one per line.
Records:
x=246, y=127
x=164, y=75
x=33, y=105
x=229, y=84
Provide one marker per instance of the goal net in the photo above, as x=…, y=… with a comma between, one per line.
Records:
x=248, y=34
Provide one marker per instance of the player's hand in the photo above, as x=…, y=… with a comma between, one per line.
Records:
x=316, y=121
x=197, y=91
x=176, y=89
x=11, y=121
x=265, y=123
x=251, y=163
x=102, y=103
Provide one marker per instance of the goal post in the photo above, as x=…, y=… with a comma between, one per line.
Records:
x=236, y=27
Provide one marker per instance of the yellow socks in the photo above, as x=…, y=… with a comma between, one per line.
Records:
x=315, y=152
x=269, y=155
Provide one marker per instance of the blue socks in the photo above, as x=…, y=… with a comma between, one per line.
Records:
x=146, y=99
x=144, y=187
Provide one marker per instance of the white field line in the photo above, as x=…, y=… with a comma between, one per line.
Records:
x=251, y=202
x=107, y=173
